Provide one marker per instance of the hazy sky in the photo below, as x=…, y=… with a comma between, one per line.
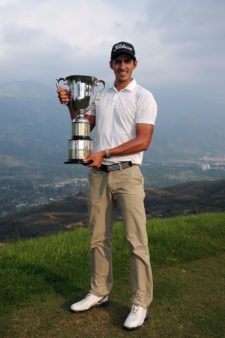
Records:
x=179, y=44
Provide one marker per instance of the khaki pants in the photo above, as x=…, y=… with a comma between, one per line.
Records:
x=126, y=189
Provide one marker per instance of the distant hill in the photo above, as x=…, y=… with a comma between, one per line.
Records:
x=34, y=126
x=188, y=198
x=187, y=126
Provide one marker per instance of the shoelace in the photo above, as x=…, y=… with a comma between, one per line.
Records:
x=135, y=308
x=88, y=295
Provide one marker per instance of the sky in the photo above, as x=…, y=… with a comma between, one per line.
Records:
x=179, y=44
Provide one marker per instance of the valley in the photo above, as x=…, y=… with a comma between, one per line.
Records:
x=25, y=186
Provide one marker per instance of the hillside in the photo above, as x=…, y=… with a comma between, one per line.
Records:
x=188, y=198
x=40, y=278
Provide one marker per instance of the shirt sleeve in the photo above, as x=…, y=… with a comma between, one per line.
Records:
x=146, y=109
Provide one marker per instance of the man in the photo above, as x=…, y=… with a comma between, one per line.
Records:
x=124, y=119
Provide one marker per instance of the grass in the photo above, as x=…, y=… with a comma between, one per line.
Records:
x=40, y=278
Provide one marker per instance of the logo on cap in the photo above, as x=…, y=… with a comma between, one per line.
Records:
x=123, y=47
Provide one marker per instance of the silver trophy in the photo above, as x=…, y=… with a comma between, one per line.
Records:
x=82, y=93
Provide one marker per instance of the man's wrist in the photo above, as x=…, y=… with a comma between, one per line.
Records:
x=107, y=153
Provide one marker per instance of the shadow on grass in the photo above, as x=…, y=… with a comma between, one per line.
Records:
x=114, y=313
x=32, y=280
x=29, y=280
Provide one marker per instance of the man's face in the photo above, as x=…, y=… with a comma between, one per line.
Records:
x=123, y=66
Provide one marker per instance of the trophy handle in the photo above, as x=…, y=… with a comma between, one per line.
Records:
x=60, y=79
x=97, y=82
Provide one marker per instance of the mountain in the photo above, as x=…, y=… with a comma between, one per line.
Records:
x=34, y=126
x=188, y=198
x=188, y=127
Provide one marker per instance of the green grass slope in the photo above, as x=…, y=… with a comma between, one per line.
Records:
x=40, y=278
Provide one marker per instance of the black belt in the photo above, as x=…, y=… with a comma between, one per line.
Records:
x=116, y=166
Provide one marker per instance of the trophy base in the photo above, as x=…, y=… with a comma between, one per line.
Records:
x=78, y=162
x=74, y=162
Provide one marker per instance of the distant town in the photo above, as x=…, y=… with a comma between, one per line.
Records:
x=24, y=192
x=36, y=195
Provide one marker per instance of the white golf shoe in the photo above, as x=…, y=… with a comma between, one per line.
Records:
x=89, y=301
x=136, y=317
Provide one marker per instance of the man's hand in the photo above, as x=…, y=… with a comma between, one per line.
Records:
x=63, y=95
x=96, y=159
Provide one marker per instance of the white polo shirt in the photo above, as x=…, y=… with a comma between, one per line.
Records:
x=117, y=113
